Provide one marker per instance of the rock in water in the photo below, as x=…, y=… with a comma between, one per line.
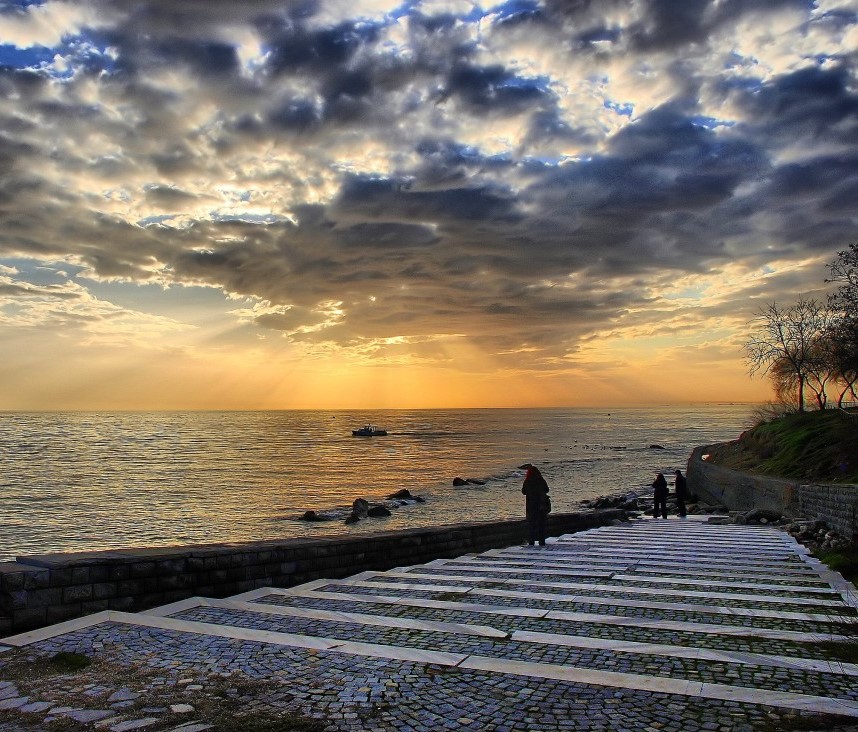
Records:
x=312, y=516
x=352, y=518
x=404, y=493
x=378, y=512
x=459, y=481
x=360, y=507
x=656, y=447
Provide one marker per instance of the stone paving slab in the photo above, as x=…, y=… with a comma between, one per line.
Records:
x=508, y=567
x=548, y=600
x=797, y=595
x=607, y=629
x=605, y=625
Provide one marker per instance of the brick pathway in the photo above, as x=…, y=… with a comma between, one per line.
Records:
x=671, y=625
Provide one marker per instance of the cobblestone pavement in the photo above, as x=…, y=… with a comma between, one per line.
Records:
x=652, y=625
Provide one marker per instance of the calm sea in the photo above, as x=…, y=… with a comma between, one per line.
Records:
x=82, y=481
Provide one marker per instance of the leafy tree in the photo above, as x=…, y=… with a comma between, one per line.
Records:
x=821, y=370
x=844, y=269
x=843, y=334
x=843, y=353
x=785, y=383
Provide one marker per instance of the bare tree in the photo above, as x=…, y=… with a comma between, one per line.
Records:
x=788, y=340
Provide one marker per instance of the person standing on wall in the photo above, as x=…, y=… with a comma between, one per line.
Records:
x=660, y=496
x=681, y=493
x=537, y=505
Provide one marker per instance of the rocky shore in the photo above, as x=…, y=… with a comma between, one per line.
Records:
x=361, y=508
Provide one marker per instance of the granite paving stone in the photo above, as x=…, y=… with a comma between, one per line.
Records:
x=564, y=638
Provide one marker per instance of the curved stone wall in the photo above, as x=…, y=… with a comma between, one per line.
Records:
x=739, y=491
x=834, y=503
x=49, y=588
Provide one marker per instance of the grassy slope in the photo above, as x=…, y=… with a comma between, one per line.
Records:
x=813, y=446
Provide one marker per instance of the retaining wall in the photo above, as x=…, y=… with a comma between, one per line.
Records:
x=45, y=589
x=834, y=503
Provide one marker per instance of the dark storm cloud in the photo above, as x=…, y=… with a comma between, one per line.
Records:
x=493, y=89
x=383, y=198
x=408, y=153
x=165, y=196
x=295, y=48
x=814, y=104
x=388, y=236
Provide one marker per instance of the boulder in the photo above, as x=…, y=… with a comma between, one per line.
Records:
x=762, y=516
x=352, y=518
x=656, y=447
x=404, y=493
x=378, y=511
x=459, y=481
x=313, y=516
x=360, y=507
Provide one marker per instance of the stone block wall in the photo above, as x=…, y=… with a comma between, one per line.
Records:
x=834, y=503
x=44, y=589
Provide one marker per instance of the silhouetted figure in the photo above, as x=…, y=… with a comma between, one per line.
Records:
x=681, y=493
x=536, y=504
x=660, y=496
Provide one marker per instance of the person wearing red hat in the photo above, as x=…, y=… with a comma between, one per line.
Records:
x=536, y=504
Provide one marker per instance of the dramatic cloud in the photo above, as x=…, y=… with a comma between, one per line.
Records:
x=531, y=180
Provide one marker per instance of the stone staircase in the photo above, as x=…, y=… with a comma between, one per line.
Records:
x=677, y=623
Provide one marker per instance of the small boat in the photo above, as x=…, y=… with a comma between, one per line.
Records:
x=369, y=430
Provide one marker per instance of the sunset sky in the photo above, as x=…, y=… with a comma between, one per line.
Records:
x=436, y=203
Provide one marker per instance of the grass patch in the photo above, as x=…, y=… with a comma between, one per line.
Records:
x=812, y=722
x=810, y=446
x=65, y=662
x=256, y=723
x=24, y=668
x=449, y=596
x=223, y=703
x=844, y=561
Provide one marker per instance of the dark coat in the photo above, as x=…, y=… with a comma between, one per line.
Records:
x=534, y=489
x=660, y=485
x=681, y=486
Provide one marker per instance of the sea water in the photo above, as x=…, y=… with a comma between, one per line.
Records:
x=78, y=481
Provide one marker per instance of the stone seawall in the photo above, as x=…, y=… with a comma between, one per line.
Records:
x=44, y=589
x=834, y=503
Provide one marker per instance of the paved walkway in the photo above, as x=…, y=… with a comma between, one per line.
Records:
x=672, y=625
